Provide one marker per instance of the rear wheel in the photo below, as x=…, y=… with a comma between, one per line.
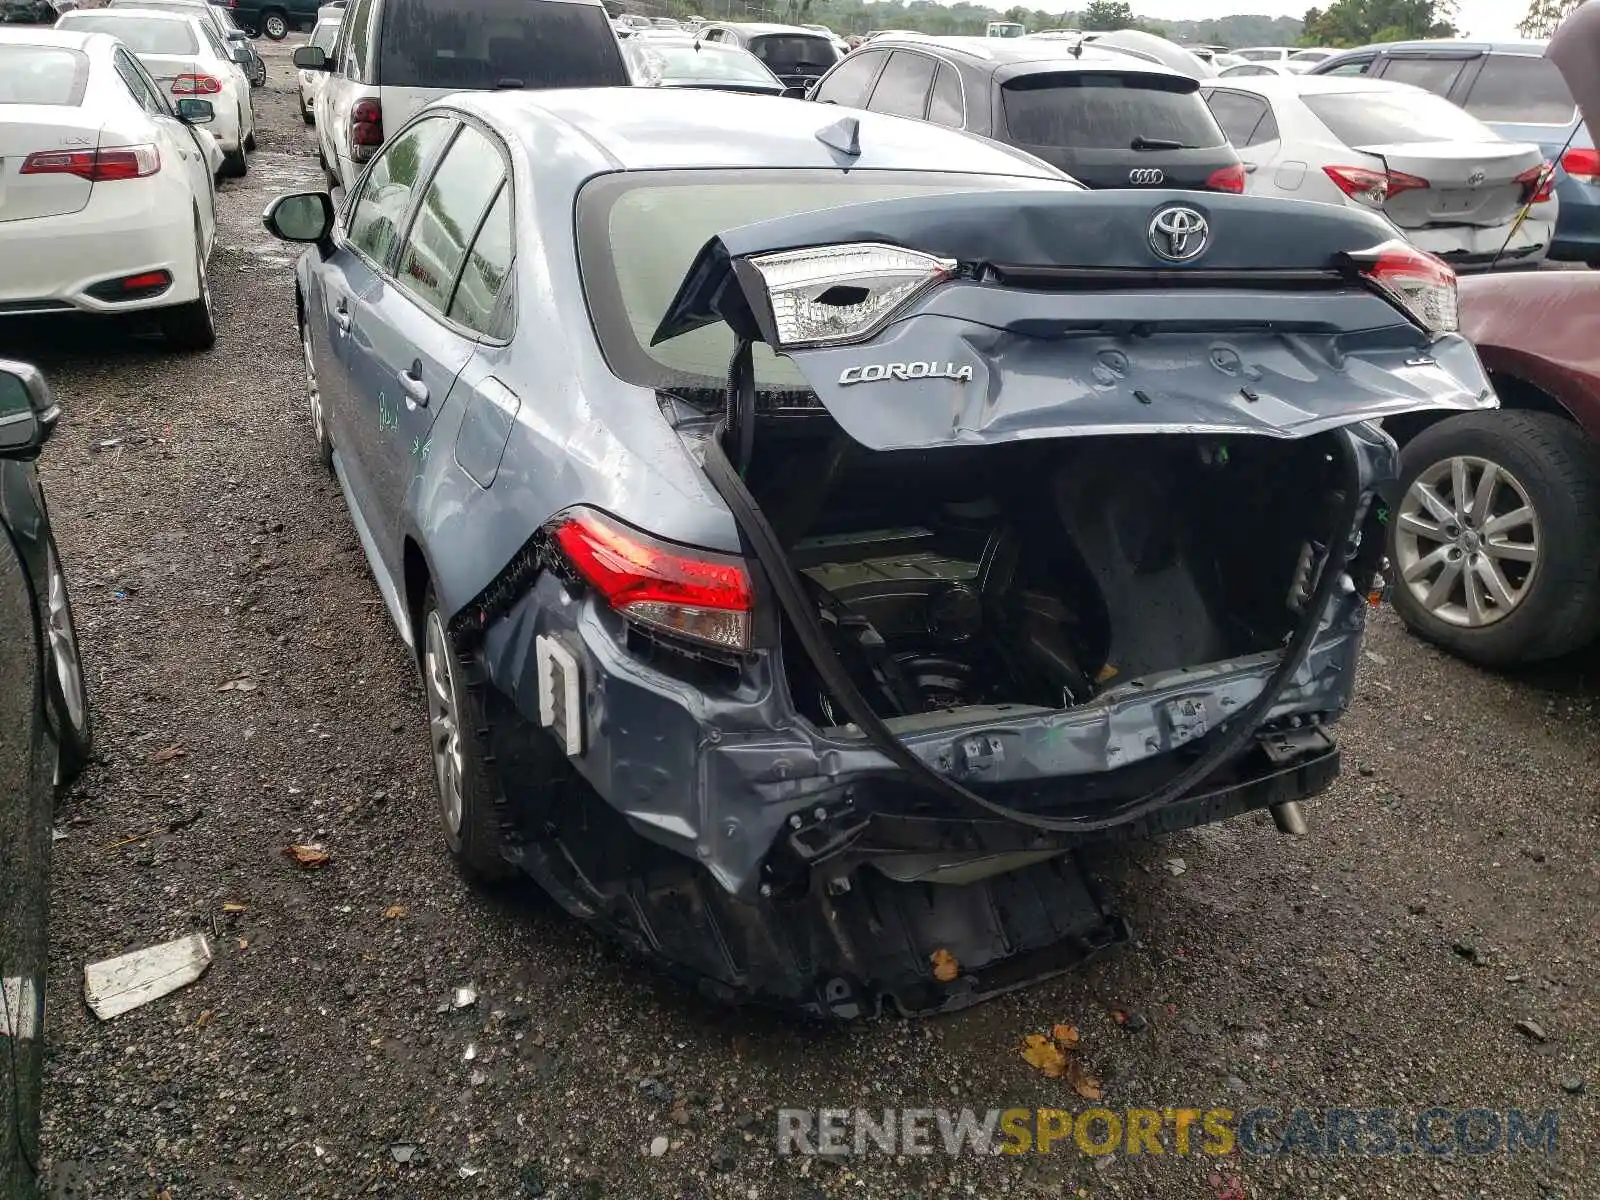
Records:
x=258, y=72
x=234, y=163
x=1496, y=541
x=275, y=24
x=193, y=326
x=468, y=793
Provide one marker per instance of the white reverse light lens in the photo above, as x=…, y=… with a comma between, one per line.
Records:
x=830, y=294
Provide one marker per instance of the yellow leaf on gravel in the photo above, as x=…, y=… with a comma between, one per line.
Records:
x=232, y=906
x=309, y=857
x=945, y=966
x=1040, y=1052
x=394, y=912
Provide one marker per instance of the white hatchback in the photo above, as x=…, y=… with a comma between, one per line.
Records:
x=186, y=58
x=106, y=196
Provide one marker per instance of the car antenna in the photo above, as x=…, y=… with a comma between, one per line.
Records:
x=1527, y=207
x=843, y=135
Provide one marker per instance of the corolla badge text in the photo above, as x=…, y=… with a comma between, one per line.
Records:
x=877, y=372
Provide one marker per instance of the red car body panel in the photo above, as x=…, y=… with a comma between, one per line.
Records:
x=1543, y=328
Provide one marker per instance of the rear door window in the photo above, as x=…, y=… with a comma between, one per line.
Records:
x=1436, y=75
x=447, y=219
x=1106, y=110
x=852, y=82
x=479, y=301
x=486, y=44
x=794, y=53
x=1520, y=89
x=945, y=107
x=42, y=75
x=1238, y=114
x=903, y=87
x=353, y=53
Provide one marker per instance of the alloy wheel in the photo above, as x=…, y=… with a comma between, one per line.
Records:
x=443, y=722
x=63, y=640
x=276, y=27
x=1467, y=541
x=313, y=391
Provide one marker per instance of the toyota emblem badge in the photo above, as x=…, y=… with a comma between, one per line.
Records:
x=1179, y=234
x=1146, y=176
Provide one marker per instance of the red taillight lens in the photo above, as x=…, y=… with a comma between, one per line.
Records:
x=366, y=129
x=1361, y=184
x=1227, y=179
x=1538, y=183
x=1399, y=182
x=97, y=166
x=1583, y=165
x=692, y=593
x=195, y=85
x=1423, y=285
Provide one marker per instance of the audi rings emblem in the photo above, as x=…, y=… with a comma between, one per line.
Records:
x=1179, y=234
x=1146, y=176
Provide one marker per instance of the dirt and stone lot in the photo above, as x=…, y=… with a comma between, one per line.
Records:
x=1448, y=891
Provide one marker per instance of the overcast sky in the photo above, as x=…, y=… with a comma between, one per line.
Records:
x=1477, y=18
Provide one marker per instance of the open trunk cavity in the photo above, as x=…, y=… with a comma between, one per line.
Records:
x=1037, y=573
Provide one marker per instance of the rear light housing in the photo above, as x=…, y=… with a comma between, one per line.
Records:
x=142, y=286
x=1227, y=179
x=1419, y=283
x=1373, y=188
x=97, y=166
x=694, y=594
x=366, y=129
x=1538, y=183
x=195, y=85
x=1583, y=165
x=832, y=295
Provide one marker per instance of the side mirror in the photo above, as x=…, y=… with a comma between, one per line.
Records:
x=795, y=93
x=28, y=413
x=238, y=35
x=312, y=58
x=300, y=217
x=194, y=111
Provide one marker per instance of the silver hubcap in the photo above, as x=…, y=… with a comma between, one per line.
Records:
x=64, y=643
x=1467, y=541
x=276, y=26
x=443, y=724
x=313, y=392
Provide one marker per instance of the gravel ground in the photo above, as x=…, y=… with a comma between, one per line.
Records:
x=1448, y=888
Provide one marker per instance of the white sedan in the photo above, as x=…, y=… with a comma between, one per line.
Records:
x=106, y=197
x=1444, y=179
x=186, y=58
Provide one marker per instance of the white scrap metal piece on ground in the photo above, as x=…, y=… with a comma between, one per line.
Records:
x=117, y=985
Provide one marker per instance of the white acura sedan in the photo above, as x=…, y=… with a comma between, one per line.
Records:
x=186, y=58
x=107, y=203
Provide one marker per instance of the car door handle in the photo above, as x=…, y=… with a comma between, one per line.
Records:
x=341, y=318
x=416, y=391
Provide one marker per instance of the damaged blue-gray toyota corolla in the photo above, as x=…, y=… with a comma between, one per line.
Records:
x=816, y=528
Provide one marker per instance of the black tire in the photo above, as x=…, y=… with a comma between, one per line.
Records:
x=250, y=143
x=275, y=24
x=192, y=327
x=305, y=115
x=1559, y=469
x=319, y=419
x=258, y=72
x=476, y=843
x=74, y=729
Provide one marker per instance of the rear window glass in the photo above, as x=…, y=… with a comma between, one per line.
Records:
x=699, y=62
x=498, y=43
x=141, y=35
x=1380, y=118
x=637, y=239
x=42, y=75
x=1520, y=89
x=1106, y=111
x=786, y=53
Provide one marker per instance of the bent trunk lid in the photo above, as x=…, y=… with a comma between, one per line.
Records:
x=1468, y=183
x=1064, y=321
x=27, y=129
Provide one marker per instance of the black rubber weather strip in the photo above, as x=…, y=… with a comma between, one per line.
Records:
x=792, y=598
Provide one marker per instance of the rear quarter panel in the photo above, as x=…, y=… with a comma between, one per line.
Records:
x=1543, y=328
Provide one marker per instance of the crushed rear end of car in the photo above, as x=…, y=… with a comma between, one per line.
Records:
x=1060, y=514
